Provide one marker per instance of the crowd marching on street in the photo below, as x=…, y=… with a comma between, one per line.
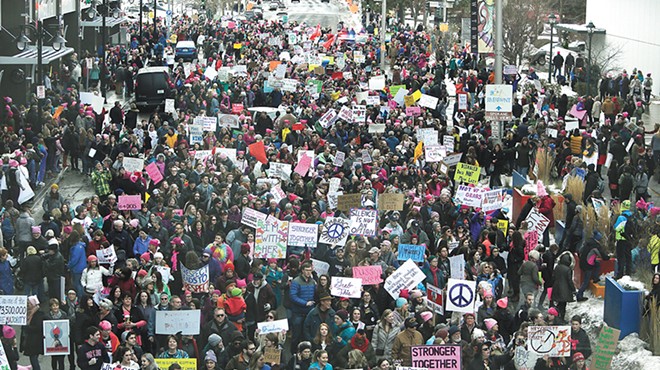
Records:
x=230, y=226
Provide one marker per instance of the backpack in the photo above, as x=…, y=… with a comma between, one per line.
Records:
x=631, y=228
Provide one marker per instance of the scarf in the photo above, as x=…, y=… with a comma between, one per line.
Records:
x=174, y=259
x=363, y=343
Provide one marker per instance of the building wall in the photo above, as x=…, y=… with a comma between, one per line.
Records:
x=632, y=26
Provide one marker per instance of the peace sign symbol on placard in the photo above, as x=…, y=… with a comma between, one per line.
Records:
x=335, y=231
x=460, y=295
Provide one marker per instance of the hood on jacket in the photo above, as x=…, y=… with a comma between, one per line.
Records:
x=567, y=259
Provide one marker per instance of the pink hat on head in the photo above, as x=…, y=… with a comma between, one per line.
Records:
x=134, y=223
x=540, y=189
x=240, y=283
x=490, y=323
x=13, y=163
x=426, y=316
x=23, y=161
x=36, y=230
x=105, y=325
x=503, y=302
x=155, y=242
x=553, y=311
x=8, y=332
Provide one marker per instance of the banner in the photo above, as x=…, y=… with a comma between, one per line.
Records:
x=446, y=357
x=196, y=281
x=57, y=337
x=335, y=231
x=129, y=202
x=364, y=222
x=185, y=363
x=492, y=200
x=276, y=326
x=271, y=238
x=407, y=276
x=551, y=341
x=486, y=27
x=171, y=322
x=251, y=216
x=411, y=251
x=469, y=196
x=345, y=287
x=370, y=275
x=467, y=173
x=303, y=235
x=133, y=164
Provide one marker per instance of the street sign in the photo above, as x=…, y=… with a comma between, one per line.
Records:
x=499, y=101
x=434, y=4
x=41, y=92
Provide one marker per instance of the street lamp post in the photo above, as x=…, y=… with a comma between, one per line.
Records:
x=104, y=32
x=552, y=19
x=590, y=32
x=383, y=28
x=140, y=29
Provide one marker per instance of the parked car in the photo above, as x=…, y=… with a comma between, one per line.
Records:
x=152, y=87
x=273, y=5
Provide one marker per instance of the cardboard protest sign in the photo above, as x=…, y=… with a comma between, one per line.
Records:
x=605, y=349
x=469, y=196
x=407, y=276
x=364, y=222
x=346, y=287
x=196, y=281
x=347, y=201
x=411, y=251
x=129, y=202
x=436, y=357
x=272, y=355
x=467, y=173
x=57, y=337
x=251, y=216
x=303, y=235
x=271, y=238
x=370, y=275
x=390, y=202
x=552, y=341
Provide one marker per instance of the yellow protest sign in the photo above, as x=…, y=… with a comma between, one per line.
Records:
x=503, y=225
x=335, y=95
x=238, y=45
x=467, y=173
x=409, y=100
x=330, y=59
x=310, y=67
x=417, y=95
x=185, y=363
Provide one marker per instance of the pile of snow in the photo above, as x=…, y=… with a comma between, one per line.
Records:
x=632, y=353
x=629, y=284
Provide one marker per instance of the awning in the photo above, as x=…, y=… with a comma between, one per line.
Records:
x=29, y=56
x=109, y=22
x=578, y=28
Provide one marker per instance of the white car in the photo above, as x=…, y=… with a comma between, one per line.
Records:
x=273, y=5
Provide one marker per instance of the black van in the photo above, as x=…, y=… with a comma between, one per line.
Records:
x=152, y=87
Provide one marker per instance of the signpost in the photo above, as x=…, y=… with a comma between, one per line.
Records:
x=499, y=102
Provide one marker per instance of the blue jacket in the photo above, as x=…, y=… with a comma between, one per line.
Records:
x=141, y=246
x=78, y=258
x=346, y=331
x=302, y=292
x=6, y=279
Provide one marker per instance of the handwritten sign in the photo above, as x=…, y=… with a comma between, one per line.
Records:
x=129, y=202
x=429, y=136
x=407, y=276
x=251, y=216
x=428, y=101
x=107, y=255
x=452, y=159
x=335, y=231
x=457, y=267
x=552, y=341
x=413, y=111
x=468, y=196
x=467, y=173
x=411, y=251
x=196, y=281
x=537, y=221
x=347, y=201
x=492, y=200
x=276, y=326
x=605, y=348
x=376, y=128
x=370, y=275
x=272, y=356
x=13, y=309
x=434, y=153
x=461, y=295
x=320, y=267
x=346, y=287
x=377, y=83
x=303, y=165
x=303, y=235
x=436, y=357
x=364, y=222
x=390, y=202
x=185, y=363
x=207, y=123
x=154, y=173
x=448, y=142
x=271, y=238
x=133, y=164
x=171, y=322
x=359, y=113
x=228, y=120
x=524, y=359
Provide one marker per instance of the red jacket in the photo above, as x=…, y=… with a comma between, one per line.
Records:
x=546, y=205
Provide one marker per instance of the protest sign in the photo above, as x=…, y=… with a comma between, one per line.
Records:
x=185, y=363
x=171, y=322
x=461, y=295
x=320, y=267
x=467, y=173
x=452, y=159
x=457, y=266
x=281, y=170
x=339, y=159
x=303, y=235
x=278, y=193
x=129, y=202
x=346, y=114
x=4, y=362
x=399, y=96
x=462, y=101
x=524, y=359
x=411, y=251
x=537, y=221
x=229, y=152
x=428, y=101
x=503, y=225
x=272, y=355
x=370, y=275
x=605, y=349
x=429, y=136
x=345, y=287
x=364, y=222
x=227, y=120
x=13, y=309
x=366, y=157
x=448, y=142
x=57, y=337
x=335, y=231
x=154, y=172
x=107, y=255
x=196, y=281
x=196, y=133
x=303, y=165
x=251, y=216
x=469, y=196
x=208, y=123
x=377, y=83
x=328, y=118
x=407, y=276
x=394, y=89
x=347, y=201
x=390, y=202
x=373, y=100
x=276, y=326
x=551, y=341
x=413, y=111
x=271, y=238
x=165, y=273
x=133, y=164
x=446, y=357
x=359, y=113
x=408, y=100
x=492, y=200
x=376, y=128
x=531, y=242
x=434, y=298
x=434, y=153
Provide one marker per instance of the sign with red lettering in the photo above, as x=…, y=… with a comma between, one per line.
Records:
x=436, y=357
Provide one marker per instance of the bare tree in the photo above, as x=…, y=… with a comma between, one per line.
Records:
x=523, y=22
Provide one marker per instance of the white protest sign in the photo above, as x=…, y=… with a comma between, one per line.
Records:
x=276, y=326
x=4, y=362
x=328, y=118
x=462, y=102
x=376, y=128
x=524, y=359
x=537, y=221
x=165, y=273
x=452, y=159
x=335, y=231
x=13, y=310
x=448, y=142
x=429, y=136
x=281, y=170
x=171, y=322
x=377, y=83
x=345, y=287
x=373, y=100
x=457, y=266
x=169, y=106
x=210, y=73
x=359, y=113
x=434, y=153
x=227, y=120
x=208, y=123
x=427, y=101
x=229, y=152
x=364, y=222
x=303, y=235
x=492, y=200
x=398, y=97
x=133, y=164
x=196, y=133
x=407, y=276
x=468, y=196
x=320, y=267
x=278, y=193
x=107, y=255
x=461, y=295
x=346, y=114
x=499, y=102
x=552, y=341
x=251, y=216
x=339, y=159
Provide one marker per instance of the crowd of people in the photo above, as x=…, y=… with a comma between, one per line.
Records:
x=193, y=216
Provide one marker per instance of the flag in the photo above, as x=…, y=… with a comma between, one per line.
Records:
x=316, y=33
x=331, y=40
x=258, y=151
x=419, y=150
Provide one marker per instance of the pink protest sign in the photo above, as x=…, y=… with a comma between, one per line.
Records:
x=436, y=357
x=579, y=114
x=370, y=275
x=303, y=165
x=130, y=202
x=413, y=111
x=154, y=173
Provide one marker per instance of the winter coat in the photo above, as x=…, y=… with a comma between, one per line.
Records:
x=382, y=341
x=562, y=284
x=313, y=321
x=6, y=279
x=77, y=258
x=257, y=299
x=529, y=276
x=590, y=251
x=54, y=266
x=302, y=292
x=403, y=343
x=32, y=269
x=546, y=205
x=92, y=279
x=23, y=228
x=32, y=336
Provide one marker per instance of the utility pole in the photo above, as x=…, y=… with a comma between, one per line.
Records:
x=499, y=34
x=383, y=27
